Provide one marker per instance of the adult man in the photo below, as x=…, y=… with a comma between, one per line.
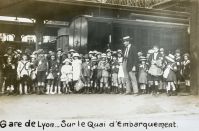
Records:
x=129, y=66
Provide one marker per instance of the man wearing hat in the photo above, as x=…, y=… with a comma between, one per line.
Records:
x=129, y=66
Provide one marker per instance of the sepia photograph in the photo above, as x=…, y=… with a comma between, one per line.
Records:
x=99, y=65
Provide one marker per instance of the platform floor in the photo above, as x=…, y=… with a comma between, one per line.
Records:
x=102, y=106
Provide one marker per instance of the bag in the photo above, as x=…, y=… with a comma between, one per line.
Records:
x=166, y=73
x=155, y=71
x=79, y=85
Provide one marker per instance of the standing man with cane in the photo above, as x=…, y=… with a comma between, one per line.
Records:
x=129, y=66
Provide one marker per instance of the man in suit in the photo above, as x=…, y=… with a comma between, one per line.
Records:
x=129, y=66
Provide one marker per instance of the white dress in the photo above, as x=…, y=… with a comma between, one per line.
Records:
x=76, y=64
x=66, y=73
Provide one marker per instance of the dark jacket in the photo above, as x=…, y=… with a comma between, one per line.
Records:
x=132, y=58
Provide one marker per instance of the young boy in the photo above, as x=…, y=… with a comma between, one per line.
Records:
x=42, y=66
x=114, y=73
x=23, y=74
x=86, y=73
x=186, y=70
x=104, y=66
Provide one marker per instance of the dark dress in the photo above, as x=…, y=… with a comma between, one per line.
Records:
x=10, y=74
x=172, y=74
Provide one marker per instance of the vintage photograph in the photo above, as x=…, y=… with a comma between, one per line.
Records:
x=100, y=60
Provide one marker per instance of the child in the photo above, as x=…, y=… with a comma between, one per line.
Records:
x=66, y=75
x=86, y=73
x=10, y=75
x=170, y=75
x=23, y=74
x=114, y=73
x=142, y=75
x=121, y=73
x=33, y=73
x=94, y=71
x=76, y=65
x=104, y=66
x=42, y=66
x=186, y=71
x=178, y=60
x=52, y=76
x=155, y=69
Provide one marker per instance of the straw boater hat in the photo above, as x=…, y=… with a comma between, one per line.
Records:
x=76, y=55
x=170, y=58
x=127, y=38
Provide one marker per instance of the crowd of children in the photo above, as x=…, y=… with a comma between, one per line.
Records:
x=59, y=72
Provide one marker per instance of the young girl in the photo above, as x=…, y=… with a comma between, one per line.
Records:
x=170, y=75
x=10, y=75
x=42, y=66
x=121, y=82
x=186, y=71
x=23, y=74
x=52, y=76
x=66, y=75
x=142, y=75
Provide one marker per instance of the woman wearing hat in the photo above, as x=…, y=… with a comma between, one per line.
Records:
x=186, y=71
x=170, y=75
